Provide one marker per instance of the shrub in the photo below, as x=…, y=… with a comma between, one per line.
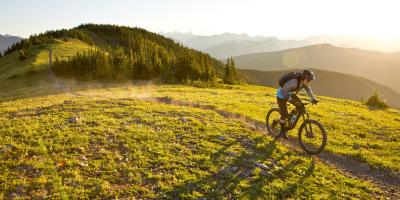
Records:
x=376, y=102
x=23, y=55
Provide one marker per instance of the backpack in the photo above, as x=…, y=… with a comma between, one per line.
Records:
x=289, y=76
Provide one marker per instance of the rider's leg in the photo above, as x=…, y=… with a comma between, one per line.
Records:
x=284, y=113
x=298, y=105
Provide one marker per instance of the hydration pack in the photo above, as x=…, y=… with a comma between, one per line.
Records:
x=289, y=76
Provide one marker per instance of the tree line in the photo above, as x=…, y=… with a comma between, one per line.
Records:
x=121, y=52
x=119, y=65
x=45, y=38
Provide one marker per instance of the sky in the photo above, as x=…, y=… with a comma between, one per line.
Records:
x=281, y=18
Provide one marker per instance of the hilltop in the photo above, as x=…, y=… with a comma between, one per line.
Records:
x=117, y=53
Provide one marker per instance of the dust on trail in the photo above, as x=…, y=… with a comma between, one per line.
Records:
x=115, y=90
x=388, y=181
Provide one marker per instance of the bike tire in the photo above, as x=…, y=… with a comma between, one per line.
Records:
x=324, y=137
x=269, y=128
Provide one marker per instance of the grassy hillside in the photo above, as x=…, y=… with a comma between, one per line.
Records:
x=353, y=129
x=331, y=84
x=22, y=75
x=131, y=53
x=106, y=143
x=377, y=66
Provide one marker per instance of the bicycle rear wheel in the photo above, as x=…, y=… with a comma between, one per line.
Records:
x=272, y=122
x=312, y=137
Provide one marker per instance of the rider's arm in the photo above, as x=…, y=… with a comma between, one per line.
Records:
x=288, y=87
x=309, y=92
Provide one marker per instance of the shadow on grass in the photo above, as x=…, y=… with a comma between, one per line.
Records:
x=291, y=189
x=240, y=177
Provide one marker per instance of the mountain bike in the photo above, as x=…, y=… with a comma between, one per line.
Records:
x=311, y=136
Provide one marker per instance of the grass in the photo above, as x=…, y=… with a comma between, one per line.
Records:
x=120, y=148
x=353, y=129
x=19, y=77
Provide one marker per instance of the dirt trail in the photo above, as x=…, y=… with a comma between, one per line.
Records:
x=388, y=181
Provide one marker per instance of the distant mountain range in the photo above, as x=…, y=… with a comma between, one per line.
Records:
x=229, y=44
x=6, y=41
x=235, y=48
x=370, y=43
x=381, y=67
x=331, y=84
x=178, y=36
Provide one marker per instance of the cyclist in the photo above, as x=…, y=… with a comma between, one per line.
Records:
x=290, y=84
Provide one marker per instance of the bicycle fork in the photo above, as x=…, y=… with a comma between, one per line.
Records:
x=308, y=127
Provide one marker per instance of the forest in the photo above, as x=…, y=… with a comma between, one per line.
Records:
x=122, y=53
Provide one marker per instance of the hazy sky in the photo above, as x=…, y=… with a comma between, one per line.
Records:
x=282, y=18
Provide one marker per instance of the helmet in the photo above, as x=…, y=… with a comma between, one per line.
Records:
x=308, y=74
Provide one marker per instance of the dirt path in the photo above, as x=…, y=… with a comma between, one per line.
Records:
x=387, y=181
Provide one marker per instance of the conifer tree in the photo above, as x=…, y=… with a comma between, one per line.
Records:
x=230, y=75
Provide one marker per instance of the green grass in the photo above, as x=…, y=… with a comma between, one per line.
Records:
x=19, y=77
x=131, y=148
x=353, y=129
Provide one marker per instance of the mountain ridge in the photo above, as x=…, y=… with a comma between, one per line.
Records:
x=7, y=40
x=354, y=61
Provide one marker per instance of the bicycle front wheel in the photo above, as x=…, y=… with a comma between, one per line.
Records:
x=312, y=137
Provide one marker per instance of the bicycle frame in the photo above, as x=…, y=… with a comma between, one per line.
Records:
x=301, y=114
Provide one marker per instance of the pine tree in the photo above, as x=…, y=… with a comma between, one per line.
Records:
x=230, y=75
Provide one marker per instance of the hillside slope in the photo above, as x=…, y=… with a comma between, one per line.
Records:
x=126, y=53
x=16, y=74
x=383, y=68
x=331, y=84
x=113, y=142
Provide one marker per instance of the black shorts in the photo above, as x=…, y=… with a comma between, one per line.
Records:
x=282, y=103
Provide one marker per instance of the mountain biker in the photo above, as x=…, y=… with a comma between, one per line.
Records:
x=290, y=84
